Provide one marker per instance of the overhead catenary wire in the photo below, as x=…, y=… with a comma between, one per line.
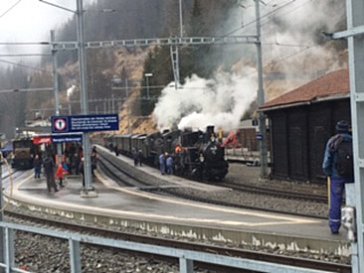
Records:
x=261, y=17
x=9, y=9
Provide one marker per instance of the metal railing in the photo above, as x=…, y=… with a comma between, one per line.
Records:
x=186, y=257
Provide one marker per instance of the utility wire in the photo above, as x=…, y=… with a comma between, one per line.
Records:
x=9, y=9
x=261, y=17
x=23, y=65
x=285, y=58
x=289, y=11
x=287, y=45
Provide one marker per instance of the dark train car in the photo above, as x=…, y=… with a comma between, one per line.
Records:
x=24, y=151
x=301, y=123
x=141, y=144
x=170, y=140
x=122, y=143
x=136, y=142
x=198, y=160
x=154, y=147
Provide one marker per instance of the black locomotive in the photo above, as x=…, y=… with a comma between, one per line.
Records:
x=199, y=156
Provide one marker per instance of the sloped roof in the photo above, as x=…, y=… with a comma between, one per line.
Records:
x=332, y=85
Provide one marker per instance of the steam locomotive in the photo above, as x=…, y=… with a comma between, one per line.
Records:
x=201, y=156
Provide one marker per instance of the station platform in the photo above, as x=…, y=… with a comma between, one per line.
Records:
x=133, y=208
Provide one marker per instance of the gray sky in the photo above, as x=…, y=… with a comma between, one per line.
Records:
x=31, y=21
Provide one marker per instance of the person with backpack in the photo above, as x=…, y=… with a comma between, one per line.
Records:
x=338, y=166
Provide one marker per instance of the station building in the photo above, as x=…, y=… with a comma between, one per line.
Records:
x=301, y=122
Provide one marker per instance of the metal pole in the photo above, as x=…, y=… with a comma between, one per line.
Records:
x=355, y=19
x=261, y=98
x=147, y=75
x=112, y=103
x=180, y=19
x=56, y=88
x=55, y=73
x=84, y=94
x=2, y=243
x=147, y=87
x=126, y=88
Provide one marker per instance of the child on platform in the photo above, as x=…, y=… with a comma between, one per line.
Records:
x=60, y=174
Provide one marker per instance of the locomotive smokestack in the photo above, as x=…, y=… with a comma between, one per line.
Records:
x=210, y=129
x=209, y=132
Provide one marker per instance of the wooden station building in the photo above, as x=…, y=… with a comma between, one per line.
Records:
x=301, y=122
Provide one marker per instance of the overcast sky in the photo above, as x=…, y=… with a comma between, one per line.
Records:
x=31, y=21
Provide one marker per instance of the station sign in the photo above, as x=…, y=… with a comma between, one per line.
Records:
x=259, y=137
x=57, y=138
x=66, y=138
x=85, y=123
x=45, y=139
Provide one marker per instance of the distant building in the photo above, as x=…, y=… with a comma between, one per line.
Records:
x=301, y=121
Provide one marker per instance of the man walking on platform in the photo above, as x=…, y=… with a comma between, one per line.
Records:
x=338, y=166
x=49, y=167
x=37, y=166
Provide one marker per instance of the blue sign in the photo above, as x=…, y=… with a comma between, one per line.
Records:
x=65, y=138
x=259, y=137
x=85, y=123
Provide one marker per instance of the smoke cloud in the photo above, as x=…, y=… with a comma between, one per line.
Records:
x=221, y=101
x=293, y=46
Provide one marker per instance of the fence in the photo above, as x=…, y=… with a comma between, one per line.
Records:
x=186, y=257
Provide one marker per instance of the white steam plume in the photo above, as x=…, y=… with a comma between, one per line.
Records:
x=70, y=91
x=220, y=102
x=292, y=34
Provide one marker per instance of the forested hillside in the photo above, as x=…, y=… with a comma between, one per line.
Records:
x=223, y=71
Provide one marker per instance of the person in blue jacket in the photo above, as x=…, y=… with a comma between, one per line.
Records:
x=162, y=162
x=330, y=169
x=169, y=164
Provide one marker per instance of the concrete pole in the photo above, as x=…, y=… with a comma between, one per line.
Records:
x=84, y=95
x=56, y=89
x=261, y=98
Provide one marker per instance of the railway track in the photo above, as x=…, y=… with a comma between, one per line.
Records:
x=116, y=172
x=112, y=170
x=49, y=223
x=289, y=194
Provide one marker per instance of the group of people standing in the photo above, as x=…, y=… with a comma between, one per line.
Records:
x=138, y=157
x=50, y=170
x=166, y=163
x=72, y=163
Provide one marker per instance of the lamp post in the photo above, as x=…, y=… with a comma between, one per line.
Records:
x=147, y=76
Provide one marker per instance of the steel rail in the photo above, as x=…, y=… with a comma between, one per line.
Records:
x=50, y=223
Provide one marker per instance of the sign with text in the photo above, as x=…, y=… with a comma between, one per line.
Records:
x=66, y=138
x=85, y=123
